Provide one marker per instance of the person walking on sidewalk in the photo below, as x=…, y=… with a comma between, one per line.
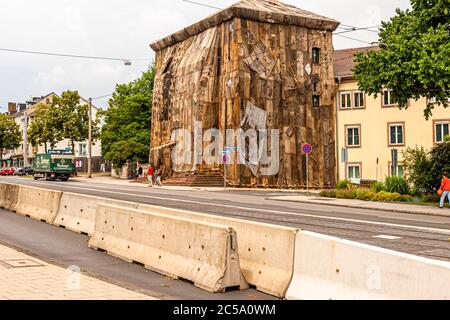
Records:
x=445, y=190
x=158, y=173
x=150, y=176
x=140, y=171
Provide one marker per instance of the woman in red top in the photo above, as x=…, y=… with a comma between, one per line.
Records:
x=150, y=176
x=445, y=187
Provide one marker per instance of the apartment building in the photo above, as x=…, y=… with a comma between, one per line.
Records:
x=21, y=112
x=373, y=132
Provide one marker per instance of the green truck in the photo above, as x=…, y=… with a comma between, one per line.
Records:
x=54, y=166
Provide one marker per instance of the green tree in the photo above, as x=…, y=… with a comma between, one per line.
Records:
x=67, y=117
x=10, y=134
x=424, y=168
x=413, y=57
x=126, y=133
x=42, y=129
x=71, y=118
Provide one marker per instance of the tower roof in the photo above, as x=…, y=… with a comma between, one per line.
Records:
x=273, y=11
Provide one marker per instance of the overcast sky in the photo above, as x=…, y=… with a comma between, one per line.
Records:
x=123, y=29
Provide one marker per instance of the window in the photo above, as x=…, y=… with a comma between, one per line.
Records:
x=441, y=129
x=398, y=171
x=396, y=134
x=316, y=55
x=346, y=100
x=358, y=98
x=432, y=100
x=82, y=150
x=316, y=101
x=388, y=100
x=354, y=171
x=353, y=136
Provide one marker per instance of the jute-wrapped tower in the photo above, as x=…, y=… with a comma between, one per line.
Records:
x=260, y=65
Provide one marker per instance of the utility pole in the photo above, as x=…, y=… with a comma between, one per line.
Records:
x=25, y=140
x=90, y=141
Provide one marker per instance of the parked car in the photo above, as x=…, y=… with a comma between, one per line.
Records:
x=2, y=171
x=8, y=171
x=29, y=170
x=23, y=171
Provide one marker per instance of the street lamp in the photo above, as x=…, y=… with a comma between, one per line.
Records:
x=126, y=63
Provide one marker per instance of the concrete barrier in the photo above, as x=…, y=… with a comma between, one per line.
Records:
x=266, y=251
x=331, y=268
x=37, y=203
x=203, y=253
x=77, y=211
x=8, y=196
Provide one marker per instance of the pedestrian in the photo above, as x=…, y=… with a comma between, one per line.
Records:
x=150, y=176
x=444, y=191
x=140, y=171
x=158, y=175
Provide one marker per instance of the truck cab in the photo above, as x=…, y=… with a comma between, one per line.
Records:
x=54, y=165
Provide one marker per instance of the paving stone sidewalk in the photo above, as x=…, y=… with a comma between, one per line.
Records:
x=23, y=277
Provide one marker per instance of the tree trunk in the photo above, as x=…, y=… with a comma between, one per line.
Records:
x=46, y=150
x=73, y=147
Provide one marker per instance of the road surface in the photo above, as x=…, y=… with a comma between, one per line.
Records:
x=427, y=236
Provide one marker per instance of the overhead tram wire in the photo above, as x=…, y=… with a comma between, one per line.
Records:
x=125, y=60
x=349, y=27
x=202, y=4
x=104, y=96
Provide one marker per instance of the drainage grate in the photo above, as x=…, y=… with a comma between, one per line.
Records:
x=20, y=263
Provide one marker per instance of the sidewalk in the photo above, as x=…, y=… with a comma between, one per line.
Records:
x=383, y=206
x=110, y=180
x=26, y=278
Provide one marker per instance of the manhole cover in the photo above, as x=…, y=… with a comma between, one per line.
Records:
x=20, y=263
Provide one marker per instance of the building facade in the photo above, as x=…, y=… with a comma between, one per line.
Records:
x=261, y=65
x=23, y=115
x=373, y=131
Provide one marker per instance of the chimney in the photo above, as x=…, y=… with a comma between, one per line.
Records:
x=12, y=108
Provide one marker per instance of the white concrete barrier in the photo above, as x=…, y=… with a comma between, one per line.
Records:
x=37, y=203
x=203, y=253
x=77, y=211
x=8, y=196
x=266, y=251
x=331, y=268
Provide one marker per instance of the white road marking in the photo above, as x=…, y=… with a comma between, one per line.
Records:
x=387, y=237
x=442, y=231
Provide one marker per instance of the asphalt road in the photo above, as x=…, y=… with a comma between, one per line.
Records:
x=427, y=236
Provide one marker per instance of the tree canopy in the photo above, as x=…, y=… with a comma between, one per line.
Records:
x=10, y=134
x=66, y=117
x=126, y=133
x=413, y=57
x=42, y=129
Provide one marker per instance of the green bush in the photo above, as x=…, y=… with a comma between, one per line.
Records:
x=430, y=198
x=364, y=194
x=328, y=193
x=396, y=185
x=344, y=184
x=378, y=187
x=425, y=168
x=346, y=194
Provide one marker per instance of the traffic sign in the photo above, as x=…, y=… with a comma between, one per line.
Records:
x=307, y=148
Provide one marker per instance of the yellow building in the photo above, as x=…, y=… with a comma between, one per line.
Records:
x=369, y=129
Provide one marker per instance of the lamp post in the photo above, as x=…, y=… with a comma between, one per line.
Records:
x=126, y=63
x=90, y=140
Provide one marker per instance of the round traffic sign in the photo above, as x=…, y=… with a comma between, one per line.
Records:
x=307, y=148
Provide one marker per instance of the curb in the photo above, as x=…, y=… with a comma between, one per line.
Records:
x=358, y=207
